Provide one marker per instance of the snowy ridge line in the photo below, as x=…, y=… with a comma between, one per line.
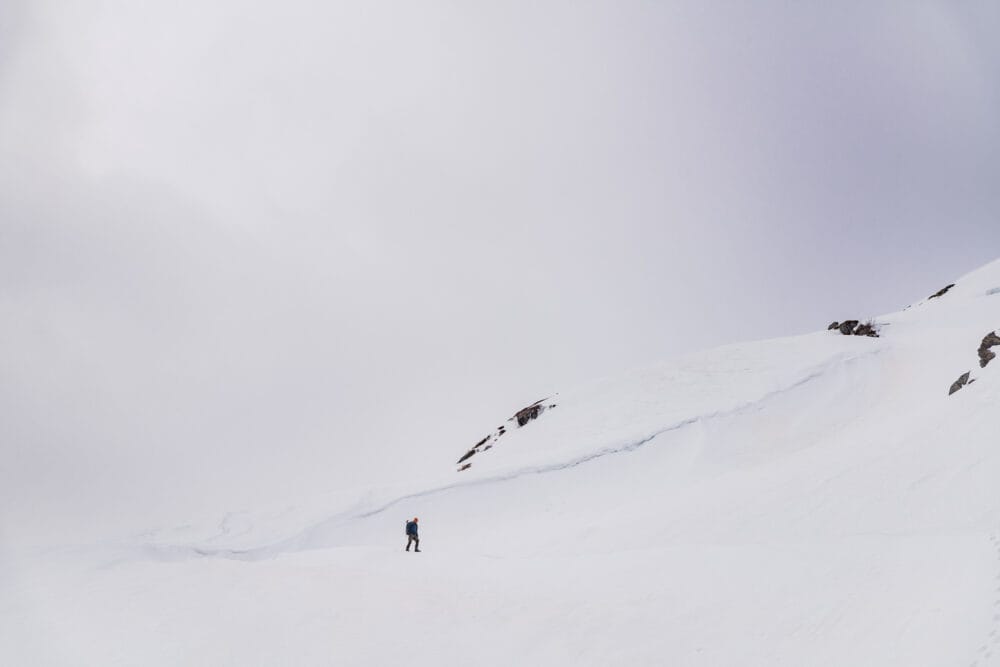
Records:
x=628, y=447
x=295, y=543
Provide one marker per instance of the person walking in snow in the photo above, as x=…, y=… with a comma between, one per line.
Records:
x=411, y=535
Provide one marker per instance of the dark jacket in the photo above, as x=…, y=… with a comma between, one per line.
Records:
x=411, y=528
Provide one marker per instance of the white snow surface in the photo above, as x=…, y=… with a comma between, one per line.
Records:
x=812, y=500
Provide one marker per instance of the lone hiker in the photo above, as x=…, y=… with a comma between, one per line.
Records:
x=411, y=535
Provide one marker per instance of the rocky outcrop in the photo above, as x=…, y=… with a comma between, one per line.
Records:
x=847, y=327
x=986, y=355
x=962, y=380
x=941, y=292
x=521, y=418
x=529, y=413
x=866, y=329
x=855, y=328
x=475, y=450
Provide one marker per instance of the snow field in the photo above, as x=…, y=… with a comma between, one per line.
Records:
x=815, y=500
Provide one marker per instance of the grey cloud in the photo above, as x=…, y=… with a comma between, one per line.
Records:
x=248, y=248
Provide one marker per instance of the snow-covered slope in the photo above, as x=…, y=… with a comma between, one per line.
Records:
x=814, y=500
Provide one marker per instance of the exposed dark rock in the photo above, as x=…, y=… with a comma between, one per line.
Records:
x=962, y=380
x=866, y=329
x=847, y=327
x=941, y=292
x=986, y=355
x=525, y=415
x=855, y=328
x=522, y=417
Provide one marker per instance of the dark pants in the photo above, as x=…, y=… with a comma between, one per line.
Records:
x=412, y=539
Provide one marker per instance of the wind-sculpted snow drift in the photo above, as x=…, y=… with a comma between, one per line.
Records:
x=813, y=500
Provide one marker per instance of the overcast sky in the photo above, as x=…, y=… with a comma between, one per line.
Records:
x=256, y=249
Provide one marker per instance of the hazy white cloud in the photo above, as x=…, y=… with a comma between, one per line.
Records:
x=243, y=245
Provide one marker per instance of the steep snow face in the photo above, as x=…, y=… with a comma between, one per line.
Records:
x=622, y=413
x=817, y=500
